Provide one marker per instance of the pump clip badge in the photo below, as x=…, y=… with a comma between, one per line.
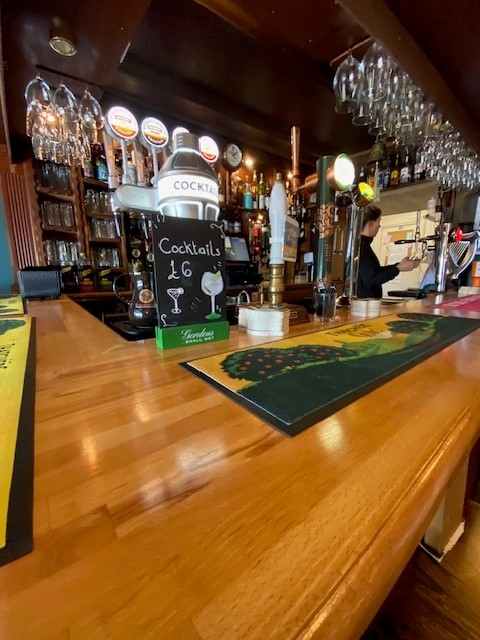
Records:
x=154, y=133
x=121, y=123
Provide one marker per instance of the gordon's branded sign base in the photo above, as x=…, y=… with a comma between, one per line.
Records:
x=188, y=335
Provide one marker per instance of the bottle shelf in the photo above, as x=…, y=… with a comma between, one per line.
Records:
x=409, y=185
x=102, y=216
x=105, y=240
x=50, y=193
x=65, y=230
x=93, y=182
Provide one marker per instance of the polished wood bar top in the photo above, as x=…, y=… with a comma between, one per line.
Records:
x=164, y=510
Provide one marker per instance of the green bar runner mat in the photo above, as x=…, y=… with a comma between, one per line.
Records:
x=295, y=382
x=17, y=394
x=11, y=305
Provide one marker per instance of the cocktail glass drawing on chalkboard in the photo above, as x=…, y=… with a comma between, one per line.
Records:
x=212, y=285
x=175, y=293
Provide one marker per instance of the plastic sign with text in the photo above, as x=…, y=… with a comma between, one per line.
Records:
x=209, y=149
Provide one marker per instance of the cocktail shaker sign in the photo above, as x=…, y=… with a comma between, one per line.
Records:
x=190, y=279
x=187, y=184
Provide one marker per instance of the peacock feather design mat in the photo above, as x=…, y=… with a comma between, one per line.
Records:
x=295, y=382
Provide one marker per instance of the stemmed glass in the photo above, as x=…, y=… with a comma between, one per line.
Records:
x=381, y=96
x=91, y=116
x=376, y=67
x=347, y=78
x=37, y=97
x=363, y=112
x=61, y=129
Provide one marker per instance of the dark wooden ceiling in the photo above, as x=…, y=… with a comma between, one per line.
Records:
x=239, y=69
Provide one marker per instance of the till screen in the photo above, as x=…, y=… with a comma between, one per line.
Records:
x=236, y=249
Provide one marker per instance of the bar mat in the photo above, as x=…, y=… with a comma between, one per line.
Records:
x=295, y=382
x=17, y=396
x=11, y=306
x=467, y=303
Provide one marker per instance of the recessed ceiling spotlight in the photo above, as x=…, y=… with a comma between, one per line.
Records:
x=62, y=39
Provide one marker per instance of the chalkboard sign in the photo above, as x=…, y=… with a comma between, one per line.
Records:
x=189, y=271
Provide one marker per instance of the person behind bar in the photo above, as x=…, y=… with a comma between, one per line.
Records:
x=371, y=275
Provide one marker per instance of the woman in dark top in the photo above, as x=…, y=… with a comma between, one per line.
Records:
x=371, y=275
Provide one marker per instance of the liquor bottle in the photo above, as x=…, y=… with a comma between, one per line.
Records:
x=88, y=169
x=395, y=172
x=254, y=189
x=386, y=175
x=289, y=190
x=148, y=169
x=69, y=276
x=233, y=193
x=131, y=170
x=371, y=171
x=268, y=191
x=257, y=233
x=104, y=275
x=118, y=165
x=84, y=273
x=406, y=169
x=221, y=192
x=419, y=169
x=101, y=172
x=261, y=193
x=247, y=196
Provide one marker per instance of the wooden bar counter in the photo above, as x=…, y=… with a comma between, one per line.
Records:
x=164, y=510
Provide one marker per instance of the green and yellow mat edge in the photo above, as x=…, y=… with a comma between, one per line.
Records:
x=14, y=303
x=16, y=520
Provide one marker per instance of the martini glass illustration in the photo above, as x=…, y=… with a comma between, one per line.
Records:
x=175, y=293
x=212, y=285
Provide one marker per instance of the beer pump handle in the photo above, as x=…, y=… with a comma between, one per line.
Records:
x=155, y=164
x=125, y=176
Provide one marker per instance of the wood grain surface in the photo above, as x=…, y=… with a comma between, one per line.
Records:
x=165, y=510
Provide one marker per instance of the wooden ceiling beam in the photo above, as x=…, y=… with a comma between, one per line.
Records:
x=384, y=26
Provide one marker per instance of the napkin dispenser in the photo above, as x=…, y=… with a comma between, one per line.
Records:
x=39, y=283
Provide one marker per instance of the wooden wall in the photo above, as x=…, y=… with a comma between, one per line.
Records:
x=21, y=212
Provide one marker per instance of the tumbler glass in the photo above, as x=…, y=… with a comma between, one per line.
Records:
x=324, y=305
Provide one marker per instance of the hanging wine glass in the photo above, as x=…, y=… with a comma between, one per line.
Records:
x=377, y=125
x=67, y=109
x=398, y=81
x=421, y=117
x=362, y=113
x=407, y=103
x=347, y=78
x=376, y=67
x=37, y=97
x=90, y=105
x=37, y=91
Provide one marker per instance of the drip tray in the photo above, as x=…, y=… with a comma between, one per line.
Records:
x=130, y=332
